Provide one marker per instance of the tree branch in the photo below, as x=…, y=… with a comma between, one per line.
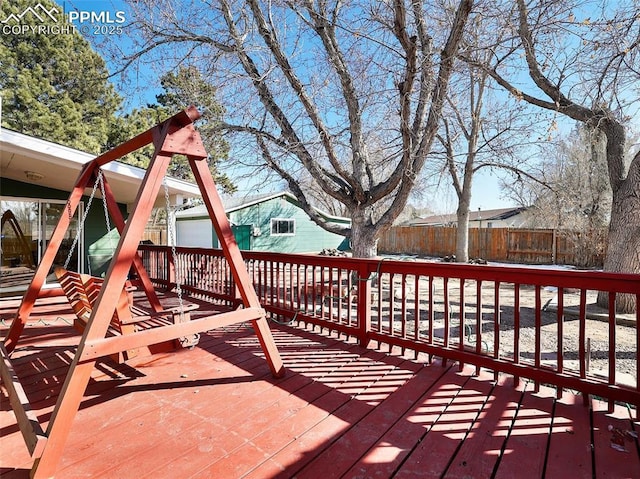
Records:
x=447, y=58
x=269, y=36
x=326, y=32
x=295, y=188
x=294, y=143
x=519, y=172
x=256, y=132
x=426, y=77
x=597, y=117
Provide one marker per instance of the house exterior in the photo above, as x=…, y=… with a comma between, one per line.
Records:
x=273, y=222
x=35, y=181
x=514, y=217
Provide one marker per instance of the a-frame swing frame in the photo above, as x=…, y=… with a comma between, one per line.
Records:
x=176, y=135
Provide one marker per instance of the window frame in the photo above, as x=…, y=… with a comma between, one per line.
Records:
x=274, y=221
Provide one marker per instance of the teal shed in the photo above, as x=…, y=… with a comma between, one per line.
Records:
x=275, y=222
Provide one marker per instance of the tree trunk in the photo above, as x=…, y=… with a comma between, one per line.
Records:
x=462, y=233
x=364, y=241
x=623, y=246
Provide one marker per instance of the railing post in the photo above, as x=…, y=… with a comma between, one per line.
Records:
x=171, y=269
x=364, y=303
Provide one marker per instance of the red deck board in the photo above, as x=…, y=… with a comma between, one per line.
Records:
x=481, y=448
x=333, y=461
x=315, y=440
x=446, y=431
x=608, y=461
x=300, y=429
x=570, y=444
x=394, y=445
x=365, y=435
x=235, y=465
x=141, y=389
x=341, y=411
x=279, y=437
x=251, y=418
x=121, y=455
x=526, y=445
x=169, y=419
x=177, y=409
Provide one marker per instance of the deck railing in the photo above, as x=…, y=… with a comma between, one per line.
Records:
x=534, y=323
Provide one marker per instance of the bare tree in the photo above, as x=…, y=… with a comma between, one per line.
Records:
x=348, y=94
x=477, y=133
x=575, y=193
x=480, y=129
x=582, y=61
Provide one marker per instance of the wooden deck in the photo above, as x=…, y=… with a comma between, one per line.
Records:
x=341, y=411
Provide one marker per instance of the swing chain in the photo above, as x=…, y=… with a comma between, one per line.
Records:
x=170, y=228
x=82, y=220
x=106, y=211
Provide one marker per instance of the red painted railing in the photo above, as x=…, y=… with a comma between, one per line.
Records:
x=532, y=323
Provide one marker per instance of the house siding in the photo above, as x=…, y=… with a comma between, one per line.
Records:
x=308, y=236
x=516, y=217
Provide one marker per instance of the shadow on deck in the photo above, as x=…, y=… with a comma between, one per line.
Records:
x=341, y=411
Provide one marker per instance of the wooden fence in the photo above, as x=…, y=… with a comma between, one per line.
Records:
x=155, y=235
x=529, y=246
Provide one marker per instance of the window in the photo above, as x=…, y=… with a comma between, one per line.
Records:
x=283, y=227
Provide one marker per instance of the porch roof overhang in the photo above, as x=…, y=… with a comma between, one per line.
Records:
x=59, y=167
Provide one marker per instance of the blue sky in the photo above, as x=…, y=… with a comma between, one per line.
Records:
x=139, y=87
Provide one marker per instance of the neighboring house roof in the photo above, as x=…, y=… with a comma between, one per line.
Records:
x=232, y=204
x=57, y=166
x=481, y=215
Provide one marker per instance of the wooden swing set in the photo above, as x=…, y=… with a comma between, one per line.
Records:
x=106, y=299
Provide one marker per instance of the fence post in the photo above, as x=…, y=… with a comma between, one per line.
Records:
x=364, y=303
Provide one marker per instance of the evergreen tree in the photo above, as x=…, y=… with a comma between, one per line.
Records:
x=53, y=85
x=183, y=88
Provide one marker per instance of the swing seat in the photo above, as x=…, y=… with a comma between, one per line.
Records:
x=82, y=291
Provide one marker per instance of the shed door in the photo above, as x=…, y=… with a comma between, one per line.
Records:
x=243, y=236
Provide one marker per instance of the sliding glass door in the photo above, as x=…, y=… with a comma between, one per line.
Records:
x=27, y=225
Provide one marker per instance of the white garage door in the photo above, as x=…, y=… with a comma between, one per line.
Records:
x=194, y=233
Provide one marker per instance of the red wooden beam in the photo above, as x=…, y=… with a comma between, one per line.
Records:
x=183, y=118
x=119, y=222
x=32, y=293
x=236, y=262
